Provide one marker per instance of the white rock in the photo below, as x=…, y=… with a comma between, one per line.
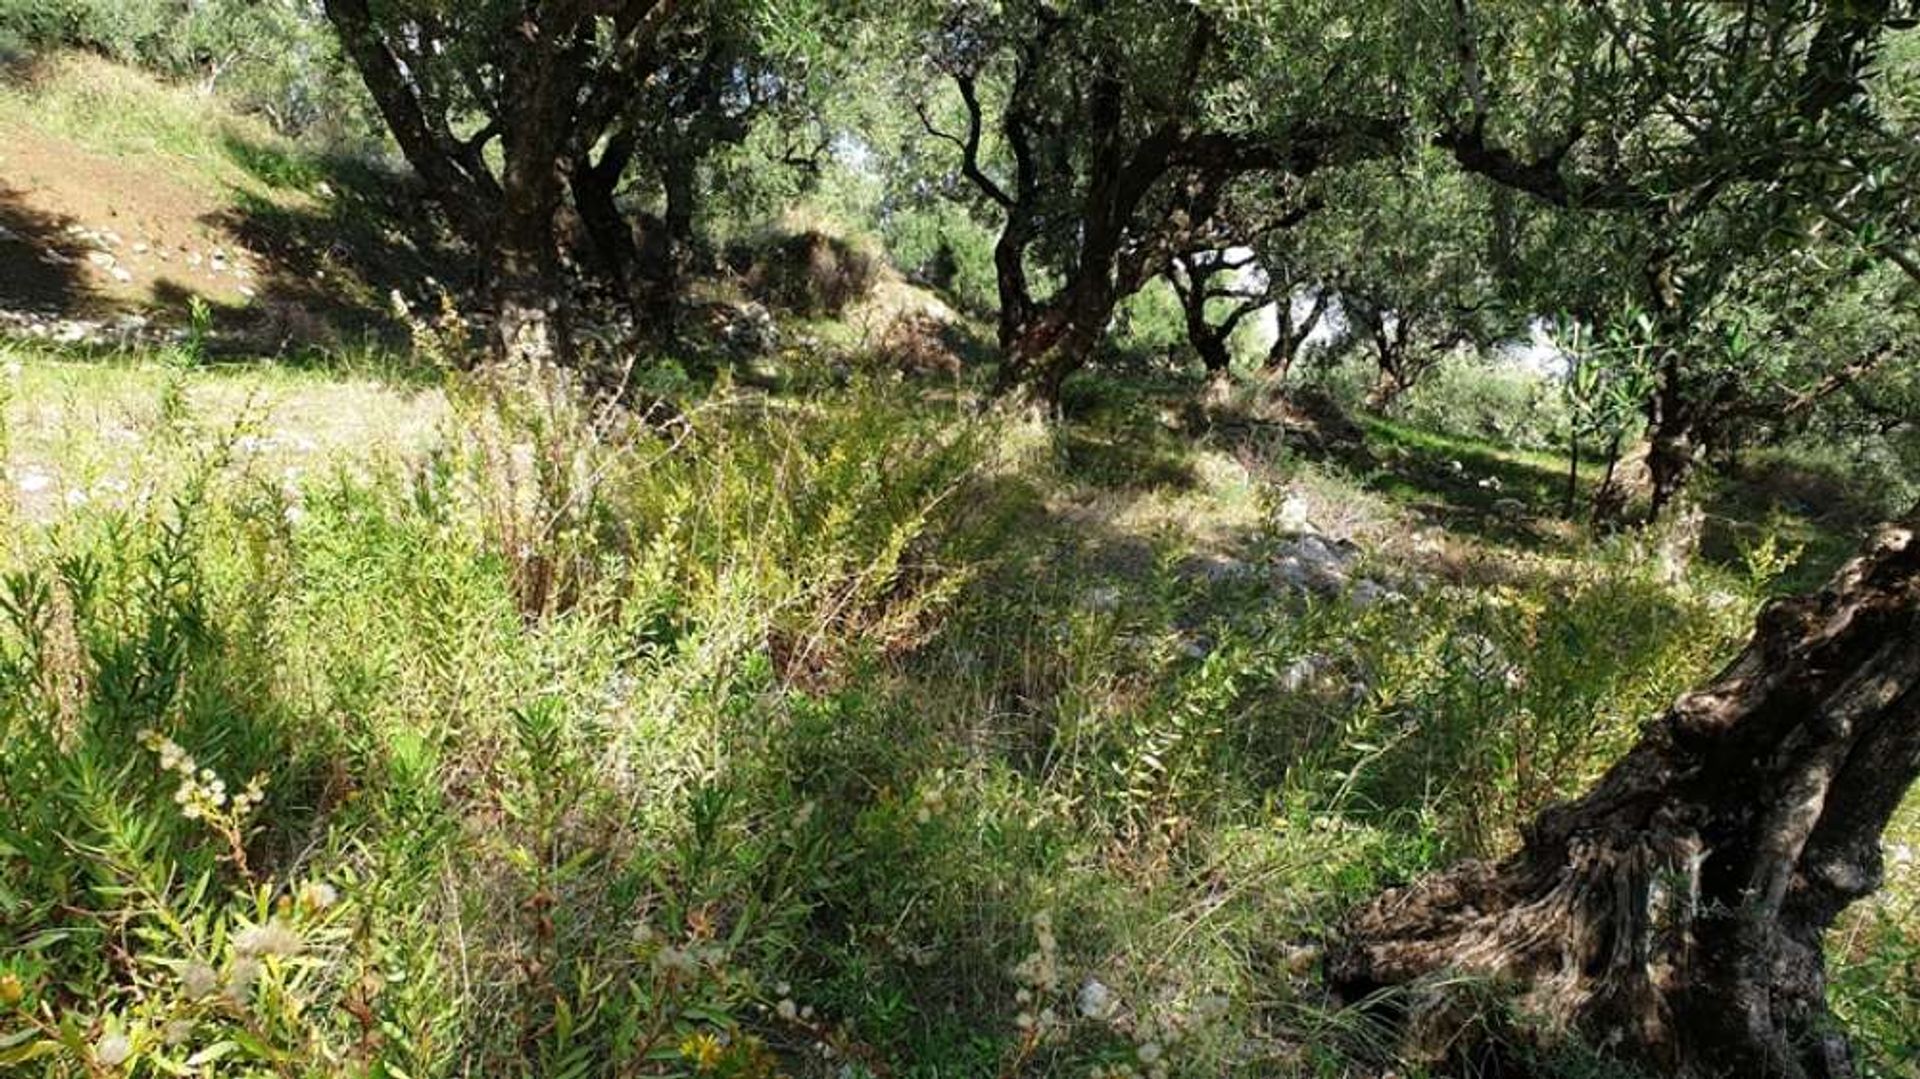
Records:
x=1095, y=1000
x=1297, y=674
x=1368, y=593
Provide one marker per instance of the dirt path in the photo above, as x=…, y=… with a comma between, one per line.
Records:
x=87, y=233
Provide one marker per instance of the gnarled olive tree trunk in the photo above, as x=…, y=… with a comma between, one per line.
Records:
x=1674, y=914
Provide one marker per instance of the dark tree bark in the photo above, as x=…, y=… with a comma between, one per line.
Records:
x=540, y=87
x=1674, y=914
x=452, y=169
x=527, y=79
x=1391, y=334
x=1192, y=275
x=1290, y=337
x=1674, y=445
x=1119, y=154
x=609, y=235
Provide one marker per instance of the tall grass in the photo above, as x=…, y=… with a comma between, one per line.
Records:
x=800, y=736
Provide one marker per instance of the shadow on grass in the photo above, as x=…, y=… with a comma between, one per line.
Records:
x=338, y=255
x=1462, y=484
x=1815, y=506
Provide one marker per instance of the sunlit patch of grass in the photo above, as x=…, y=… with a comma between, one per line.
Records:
x=116, y=110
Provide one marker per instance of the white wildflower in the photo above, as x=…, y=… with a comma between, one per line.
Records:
x=1299, y=674
x=240, y=979
x=198, y=979
x=273, y=938
x=112, y=1050
x=318, y=895
x=674, y=960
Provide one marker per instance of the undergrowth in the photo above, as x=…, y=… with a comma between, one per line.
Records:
x=753, y=737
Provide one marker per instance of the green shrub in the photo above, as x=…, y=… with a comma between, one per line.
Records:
x=809, y=273
x=550, y=602
x=1492, y=399
x=1150, y=321
x=943, y=247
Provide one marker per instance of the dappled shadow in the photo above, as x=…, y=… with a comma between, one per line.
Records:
x=1122, y=461
x=1134, y=432
x=42, y=267
x=1462, y=485
x=336, y=256
x=1815, y=508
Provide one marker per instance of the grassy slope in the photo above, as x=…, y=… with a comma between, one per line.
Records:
x=295, y=249
x=835, y=732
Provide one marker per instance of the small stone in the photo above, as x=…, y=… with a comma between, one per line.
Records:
x=1300, y=673
x=121, y=274
x=102, y=259
x=1369, y=593
x=1094, y=1000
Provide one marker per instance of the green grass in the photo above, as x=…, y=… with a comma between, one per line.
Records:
x=118, y=111
x=809, y=735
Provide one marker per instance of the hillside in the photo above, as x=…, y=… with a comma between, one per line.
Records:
x=769, y=708
x=124, y=198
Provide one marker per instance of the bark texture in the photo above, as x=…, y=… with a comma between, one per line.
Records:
x=1674, y=914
